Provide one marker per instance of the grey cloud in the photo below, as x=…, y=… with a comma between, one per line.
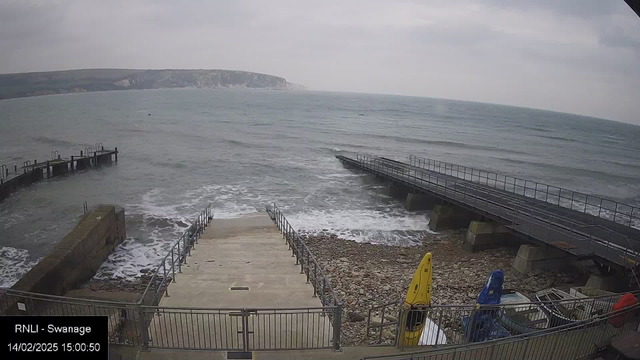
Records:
x=579, y=8
x=614, y=36
x=502, y=51
x=23, y=24
x=454, y=34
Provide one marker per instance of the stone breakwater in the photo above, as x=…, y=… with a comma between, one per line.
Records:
x=134, y=286
x=365, y=275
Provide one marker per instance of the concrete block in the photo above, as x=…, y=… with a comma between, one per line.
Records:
x=523, y=266
x=103, y=159
x=112, y=236
x=420, y=202
x=77, y=257
x=32, y=280
x=533, y=252
x=120, y=226
x=446, y=217
x=398, y=191
x=96, y=258
x=104, y=221
x=537, y=257
x=485, y=235
x=82, y=164
x=611, y=283
x=60, y=169
x=484, y=227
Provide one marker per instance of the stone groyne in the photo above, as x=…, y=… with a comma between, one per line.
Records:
x=76, y=258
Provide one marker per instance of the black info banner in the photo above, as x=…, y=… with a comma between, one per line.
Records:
x=49, y=337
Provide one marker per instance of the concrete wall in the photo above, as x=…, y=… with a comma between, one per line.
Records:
x=398, y=191
x=78, y=256
x=420, y=202
x=447, y=217
x=104, y=159
x=485, y=235
x=532, y=257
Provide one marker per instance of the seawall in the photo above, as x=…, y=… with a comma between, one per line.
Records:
x=78, y=256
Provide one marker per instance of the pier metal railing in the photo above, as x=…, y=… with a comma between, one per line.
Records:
x=577, y=340
x=172, y=262
x=620, y=213
x=56, y=165
x=546, y=226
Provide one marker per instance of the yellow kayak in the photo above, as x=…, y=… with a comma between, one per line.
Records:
x=418, y=298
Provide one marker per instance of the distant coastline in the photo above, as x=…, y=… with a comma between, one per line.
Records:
x=85, y=80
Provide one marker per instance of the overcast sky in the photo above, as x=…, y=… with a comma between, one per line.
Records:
x=578, y=56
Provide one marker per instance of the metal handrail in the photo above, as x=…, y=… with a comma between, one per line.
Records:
x=629, y=243
x=142, y=326
x=305, y=258
x=177, y=255
x=187, y=308
x=540, y=191
x=600, y=303
x=133, y=324
x=606, y=298
x=60, y=299
x=459, y=192
x=579, y=325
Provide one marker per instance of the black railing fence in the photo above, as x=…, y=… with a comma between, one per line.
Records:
x=231, y=329
x=615, y=211
x=309, y=265
x=172, y=262
x=506, y=319
x=576, y=340
x=192, y=328
x=541, y=224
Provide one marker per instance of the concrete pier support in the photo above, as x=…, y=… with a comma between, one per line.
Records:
x=36, y=175
x=83, y=163
x=420, y=202
x=104, y=159
x=613, y=283
x=60, y=169
x=398, y=191
x=485, y=235
x=447, y=217
x=536, y=257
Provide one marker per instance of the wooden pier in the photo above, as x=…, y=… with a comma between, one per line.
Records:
x=14, y=177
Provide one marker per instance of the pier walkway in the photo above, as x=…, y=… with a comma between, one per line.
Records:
x=241, y=290
x=243, y=253
x=14, y=177
x=582, y=225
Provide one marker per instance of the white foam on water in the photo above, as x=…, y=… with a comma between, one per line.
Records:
x=164, y=222
x=321, y=164
x=230, y=210
x=132, y=256
x=152, y=205
x=13, y=264
x=369, y=226
x=341, y=175
x=227, y=201
x=12, y=218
